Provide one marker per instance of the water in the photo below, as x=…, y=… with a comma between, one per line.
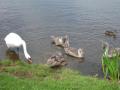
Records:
x=85, y=21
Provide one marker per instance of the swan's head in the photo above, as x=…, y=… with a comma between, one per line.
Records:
x=105, y=45
x=60, y=39
x=67, y=44
x=65, y=38
x=30, y=61
x=81, y=52
x=28, y=57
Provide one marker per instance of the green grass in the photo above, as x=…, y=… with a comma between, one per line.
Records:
x=22, y=76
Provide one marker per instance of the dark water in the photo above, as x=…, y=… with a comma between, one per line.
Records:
x=85, y=21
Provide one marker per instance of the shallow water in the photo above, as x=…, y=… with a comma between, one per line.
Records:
x=85, y=21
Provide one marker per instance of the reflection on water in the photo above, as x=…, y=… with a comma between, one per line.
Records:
x=12, y=55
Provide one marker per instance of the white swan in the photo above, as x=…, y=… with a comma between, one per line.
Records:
x=13, y=40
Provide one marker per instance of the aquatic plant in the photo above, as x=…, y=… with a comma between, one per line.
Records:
x=111, y=66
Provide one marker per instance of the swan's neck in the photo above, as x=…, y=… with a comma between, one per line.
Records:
x=67, y=44
x=106, y=50
x=25, y=49
x=60, y=40
x=80, y=53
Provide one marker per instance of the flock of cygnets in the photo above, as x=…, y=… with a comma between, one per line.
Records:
x=57, y=58
x=64, y=42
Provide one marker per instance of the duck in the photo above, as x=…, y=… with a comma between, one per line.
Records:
x=109, y=51
x=78, y=53
x=56, y=60
x=13, y=40
x=110, y=33
x=59, y=40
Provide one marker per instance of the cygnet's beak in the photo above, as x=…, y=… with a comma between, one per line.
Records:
x=29, y=61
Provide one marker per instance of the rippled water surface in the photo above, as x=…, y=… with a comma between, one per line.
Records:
x=85, y=21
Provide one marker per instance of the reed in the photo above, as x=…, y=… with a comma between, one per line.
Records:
x=111, y=66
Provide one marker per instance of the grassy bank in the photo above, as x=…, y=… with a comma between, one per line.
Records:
x=22, y=76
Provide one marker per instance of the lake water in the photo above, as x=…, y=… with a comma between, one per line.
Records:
x=85, y=21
